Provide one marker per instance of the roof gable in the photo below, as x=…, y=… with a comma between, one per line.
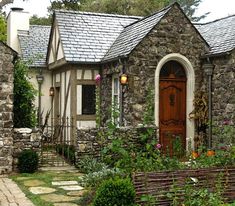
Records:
x=133, y=34
x=220, y=34
x=86, y=37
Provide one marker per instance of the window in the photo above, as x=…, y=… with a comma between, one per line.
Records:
x=115, y=99
x=88, y=99
x=172, y=69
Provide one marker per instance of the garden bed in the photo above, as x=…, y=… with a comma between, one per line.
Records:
x=168, y=185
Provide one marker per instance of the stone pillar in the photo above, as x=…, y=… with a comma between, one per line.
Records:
x=6, y=107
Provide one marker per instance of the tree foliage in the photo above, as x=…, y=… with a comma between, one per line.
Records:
x=3, y=28
x=24, y=95
x=127, y=7
x=35, y=20
x=65, y=4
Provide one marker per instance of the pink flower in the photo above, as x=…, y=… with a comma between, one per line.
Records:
x=97, y=79
x=226, y=122
x=158, y=146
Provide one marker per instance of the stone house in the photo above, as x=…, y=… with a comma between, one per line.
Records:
x=164, y=52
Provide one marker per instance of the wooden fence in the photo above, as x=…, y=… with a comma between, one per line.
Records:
x=158, y=184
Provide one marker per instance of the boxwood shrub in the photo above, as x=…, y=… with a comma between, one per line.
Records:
x=118, y=192
x=28, y=161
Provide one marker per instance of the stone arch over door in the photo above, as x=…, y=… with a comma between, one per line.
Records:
x=190, y=87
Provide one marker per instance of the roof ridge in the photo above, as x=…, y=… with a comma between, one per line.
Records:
x=157, y=12
x=216, y=20
x=98, y=14
x=36, y=25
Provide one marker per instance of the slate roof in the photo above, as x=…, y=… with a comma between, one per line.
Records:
x=34, y=43
x=132, y=35
x=93, y=37
x=219, y=34
x=86, y=37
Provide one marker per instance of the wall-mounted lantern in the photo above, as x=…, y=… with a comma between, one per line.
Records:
x=52, y=92
x=123, y=79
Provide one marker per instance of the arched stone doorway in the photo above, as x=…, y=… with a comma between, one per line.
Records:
x=172, y=107
x=189, y=93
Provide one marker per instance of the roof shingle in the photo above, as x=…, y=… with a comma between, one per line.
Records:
x=86, y=37
x=93, y=37
x=34, y=44
x=219, y=34
x=132, y=35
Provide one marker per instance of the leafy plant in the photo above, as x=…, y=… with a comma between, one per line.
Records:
x=67, y=151
x=24, y=95
x=88, y=165
x=94, y=179
x=224, y=134
x=28, y=161
x=117, y=192
x=178, y=149
x=195, y=194
x=148, y=200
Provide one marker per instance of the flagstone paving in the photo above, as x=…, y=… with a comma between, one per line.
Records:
x=61, y=183
x=33, y=183
x=71, y=187
x=65, y=204
x=77, y=193
x=41, y=190
x=58, y=198
x=57, y=188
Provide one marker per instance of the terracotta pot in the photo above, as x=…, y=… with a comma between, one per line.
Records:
x=195, y=155
x=210, y=153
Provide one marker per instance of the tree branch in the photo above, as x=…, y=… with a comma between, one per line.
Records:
x=5, y=2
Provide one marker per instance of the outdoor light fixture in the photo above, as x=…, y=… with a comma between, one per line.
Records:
x=123, y=79
x=40, y=78
x=208, y=69
x=52, y=92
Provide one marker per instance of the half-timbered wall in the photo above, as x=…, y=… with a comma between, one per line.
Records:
x=68, y=83
x=56, y=50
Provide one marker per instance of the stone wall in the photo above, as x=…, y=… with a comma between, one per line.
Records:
x=223, y=90
x=91, y=141
x=6, y=107
x=25, y=138
x=173, y=34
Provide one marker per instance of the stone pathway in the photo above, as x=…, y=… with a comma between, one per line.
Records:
x=11, y=195
x=56, y=188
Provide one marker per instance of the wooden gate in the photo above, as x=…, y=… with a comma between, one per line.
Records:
x=58, y=143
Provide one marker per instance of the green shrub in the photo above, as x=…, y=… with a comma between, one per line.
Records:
x=24, y=96
x=28, y=161
x=118, y=192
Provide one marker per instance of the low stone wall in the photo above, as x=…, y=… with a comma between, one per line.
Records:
x=158, y=184
x=25, y=138
x=91, y=141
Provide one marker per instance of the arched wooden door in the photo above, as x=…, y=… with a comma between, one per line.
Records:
x=172, y=108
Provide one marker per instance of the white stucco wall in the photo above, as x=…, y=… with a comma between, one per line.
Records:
x=45, y=98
